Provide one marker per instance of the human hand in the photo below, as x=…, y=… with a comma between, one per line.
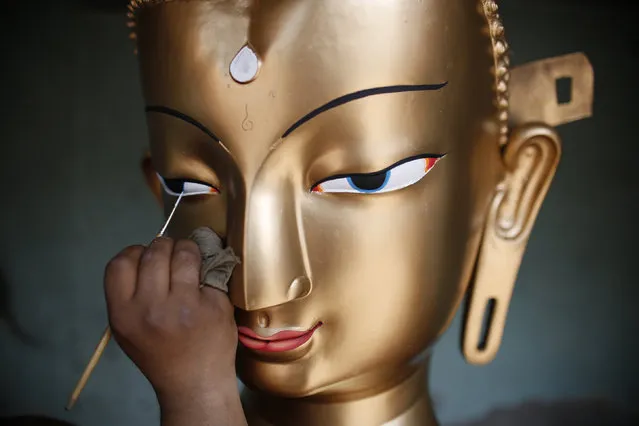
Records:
x=182, y=337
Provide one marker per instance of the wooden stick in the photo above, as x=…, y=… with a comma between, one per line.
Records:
x=99, y=350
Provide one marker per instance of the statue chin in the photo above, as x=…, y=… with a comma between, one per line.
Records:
x=292, y=380
x=363, y=164
x=277, y=382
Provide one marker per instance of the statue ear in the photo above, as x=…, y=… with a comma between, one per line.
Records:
x=530, y=159
x=151, y=178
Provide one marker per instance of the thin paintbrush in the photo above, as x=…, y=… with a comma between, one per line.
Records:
x=99, y=350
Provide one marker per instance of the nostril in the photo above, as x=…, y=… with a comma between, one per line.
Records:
x=299, y=288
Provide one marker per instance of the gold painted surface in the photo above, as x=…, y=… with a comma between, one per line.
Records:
x=531, y=158
x=383, y=273
x=533, y=97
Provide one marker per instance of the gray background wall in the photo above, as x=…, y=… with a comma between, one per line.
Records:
x=72, y=132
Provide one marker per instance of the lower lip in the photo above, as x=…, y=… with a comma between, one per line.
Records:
x=283, y=345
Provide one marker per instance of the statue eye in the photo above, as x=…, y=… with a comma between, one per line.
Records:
x=405, y=173
x=175, y=187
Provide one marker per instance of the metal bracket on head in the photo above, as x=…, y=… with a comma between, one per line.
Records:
x=535, y=90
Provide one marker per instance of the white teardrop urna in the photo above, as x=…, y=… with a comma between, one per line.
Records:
x=245, y=65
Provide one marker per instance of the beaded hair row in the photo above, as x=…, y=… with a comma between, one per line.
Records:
x=501, y=68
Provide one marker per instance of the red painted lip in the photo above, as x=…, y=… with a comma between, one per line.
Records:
x=279, y=342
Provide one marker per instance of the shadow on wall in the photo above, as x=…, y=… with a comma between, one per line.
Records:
x=7, y=317
x=564, y=413
x=33, y=421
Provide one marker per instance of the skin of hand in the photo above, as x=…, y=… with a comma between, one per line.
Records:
x=182, y=337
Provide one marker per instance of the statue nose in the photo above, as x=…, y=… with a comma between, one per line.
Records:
x=273, y=270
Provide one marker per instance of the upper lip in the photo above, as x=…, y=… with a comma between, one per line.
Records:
x=285, y=334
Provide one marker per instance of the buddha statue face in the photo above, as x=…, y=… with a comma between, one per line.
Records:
x=356, y=156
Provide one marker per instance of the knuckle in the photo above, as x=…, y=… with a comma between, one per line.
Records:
x=126, y=258
x=187, y=316
x=161, y=243
x=171, y=318
x=153, y=255
x=133, y=251
x=188, y=245
x=156, y=318
x=148, y=257
x=119, y=261
x=186, y=255
x=118, y=265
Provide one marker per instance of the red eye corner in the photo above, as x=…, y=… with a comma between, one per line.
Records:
x=430, y=163
x=213, y=190
x=317, y=188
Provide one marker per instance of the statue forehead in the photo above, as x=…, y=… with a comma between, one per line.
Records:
x=310, y=52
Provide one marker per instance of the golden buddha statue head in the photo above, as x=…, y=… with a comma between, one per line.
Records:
x=359, y=157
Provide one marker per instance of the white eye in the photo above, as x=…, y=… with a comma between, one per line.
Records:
x=175, y=187
x=401, y=175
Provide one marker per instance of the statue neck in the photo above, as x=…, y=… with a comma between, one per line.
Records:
x=406, y=403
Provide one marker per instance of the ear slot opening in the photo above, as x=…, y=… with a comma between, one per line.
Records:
x=563, y=88
x=489, y=315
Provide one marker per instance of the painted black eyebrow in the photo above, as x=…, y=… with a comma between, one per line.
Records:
x=379, y=172
x=359, y=95
x=177, y=114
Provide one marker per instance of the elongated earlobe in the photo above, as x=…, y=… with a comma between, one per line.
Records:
x=530, y=160
x=151, y=178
